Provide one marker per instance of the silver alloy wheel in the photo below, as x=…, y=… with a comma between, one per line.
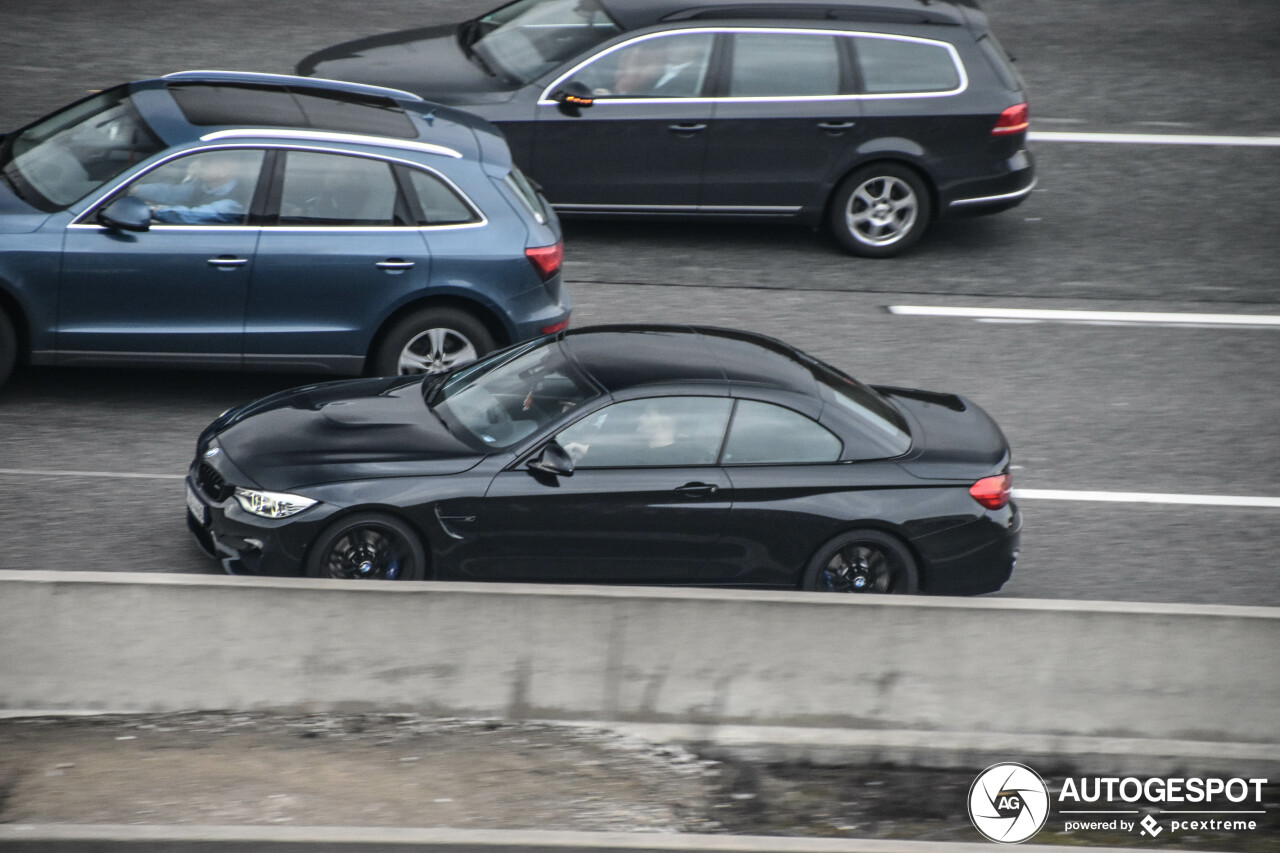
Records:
x=435, y=351
x=881, y=211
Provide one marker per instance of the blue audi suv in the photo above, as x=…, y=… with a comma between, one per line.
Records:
x=257, y=221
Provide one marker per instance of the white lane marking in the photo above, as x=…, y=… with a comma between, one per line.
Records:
x=1146, y=498
x=1069, y=316
x=1154, y=138
x=1021, y=494
x=24, y=472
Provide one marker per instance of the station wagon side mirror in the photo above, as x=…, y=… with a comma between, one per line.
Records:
x=573, y=98
x=554, y=460
x=126, y=214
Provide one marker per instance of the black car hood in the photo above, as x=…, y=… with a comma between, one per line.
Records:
x=952, y=439
x=427, y=61
x=339, y=431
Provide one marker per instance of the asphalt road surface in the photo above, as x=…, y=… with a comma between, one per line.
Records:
x=1146, y=451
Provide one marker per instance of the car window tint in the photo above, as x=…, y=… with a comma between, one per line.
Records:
x=330, y=189
x=439, y=203
x=784, y=64
x=654, y=432
x=208, y=188
x=762, y=433
x=246, y=105
x=897, y=66
x=673, y=66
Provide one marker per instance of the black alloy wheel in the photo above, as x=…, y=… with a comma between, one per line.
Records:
x=368, y=546
x=863, y=561
x=432, y=340
x=880, y=210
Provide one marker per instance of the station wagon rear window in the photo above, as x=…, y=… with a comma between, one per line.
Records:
x=239, y=105
x=897, y=66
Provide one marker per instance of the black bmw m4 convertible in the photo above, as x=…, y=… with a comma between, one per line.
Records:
x=615, y=454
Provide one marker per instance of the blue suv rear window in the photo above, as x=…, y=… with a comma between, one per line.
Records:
x=239, y=105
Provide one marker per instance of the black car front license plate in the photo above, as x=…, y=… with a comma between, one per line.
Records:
x=196, y=506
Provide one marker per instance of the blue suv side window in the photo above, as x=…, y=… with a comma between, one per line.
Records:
x=207, y=188
x=333, y=189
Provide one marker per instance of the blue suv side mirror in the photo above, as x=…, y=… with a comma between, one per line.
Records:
x=126, y=214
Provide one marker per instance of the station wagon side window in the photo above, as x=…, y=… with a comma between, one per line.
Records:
x=206, y=188
x=666, y=66
x=899, y=66
x=322, y=189
x=772, y=64
x=650, y=433
x=764, y=434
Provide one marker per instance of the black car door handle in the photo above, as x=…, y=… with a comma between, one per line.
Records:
x=836, y=125
x=394, y=264
x=686, y=128
x=698, y=489
x=227, y=261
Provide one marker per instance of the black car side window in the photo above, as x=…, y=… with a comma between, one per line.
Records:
x=334, y=190
x=206, y=188
x=667, y=66
x=650, y=433
x=762, y=433
x=901, y=66
x=784, y=64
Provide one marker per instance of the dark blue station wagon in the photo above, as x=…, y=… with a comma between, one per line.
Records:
x=261, y=221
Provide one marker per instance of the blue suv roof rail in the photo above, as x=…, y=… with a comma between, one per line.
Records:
x=292, y=81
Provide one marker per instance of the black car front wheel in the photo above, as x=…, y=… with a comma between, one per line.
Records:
x=432, y=340
x=880, y=210
x=368, y=546
x=863, y=561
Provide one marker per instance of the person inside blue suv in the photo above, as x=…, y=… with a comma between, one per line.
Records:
x=209, y=188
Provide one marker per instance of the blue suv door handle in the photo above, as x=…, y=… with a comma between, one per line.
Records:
x=227, y=261
x=394, y=264
x=835, y=125
x=686, y=128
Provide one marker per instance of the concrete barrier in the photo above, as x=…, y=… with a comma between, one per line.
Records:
x=912, y=671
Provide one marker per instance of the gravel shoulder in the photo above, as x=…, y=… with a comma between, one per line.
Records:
x=409, y=771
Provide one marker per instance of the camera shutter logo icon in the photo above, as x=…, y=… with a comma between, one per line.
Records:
x=1008, y=803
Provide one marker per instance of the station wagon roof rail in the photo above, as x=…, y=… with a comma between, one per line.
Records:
x=199, y=76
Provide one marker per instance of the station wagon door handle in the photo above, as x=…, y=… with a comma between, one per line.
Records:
x=698, y=490
x=686, y=128
x=394, y=264
x=227, y=261
x=836, y=125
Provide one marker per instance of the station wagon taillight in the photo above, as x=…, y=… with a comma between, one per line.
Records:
x=993, y=492
x=546, y=259
x=1012, y=120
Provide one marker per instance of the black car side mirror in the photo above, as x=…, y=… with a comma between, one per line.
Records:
x=573, y=99
x=126, y=214
x=553, y=459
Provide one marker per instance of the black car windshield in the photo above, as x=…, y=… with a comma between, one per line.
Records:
x=523, y=40
x=64, y=157
x=511, y=395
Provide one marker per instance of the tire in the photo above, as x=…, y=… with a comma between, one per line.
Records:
x=368, y=546
x=8, y=347
x=880, y=210
x=878, y=561
x=432, y=340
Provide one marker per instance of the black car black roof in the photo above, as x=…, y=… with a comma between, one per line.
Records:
x=626, y=356
x=632, y=14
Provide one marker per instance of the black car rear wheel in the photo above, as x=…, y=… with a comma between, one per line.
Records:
x=368, y=546
x=880, y=210
x=432, y=340
x=866, y=561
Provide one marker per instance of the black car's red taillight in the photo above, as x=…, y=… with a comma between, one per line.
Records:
x=993, y=492
x=546, y=259
x=1013, y=120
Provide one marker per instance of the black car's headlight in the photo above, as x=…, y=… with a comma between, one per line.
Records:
x=271, y=504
